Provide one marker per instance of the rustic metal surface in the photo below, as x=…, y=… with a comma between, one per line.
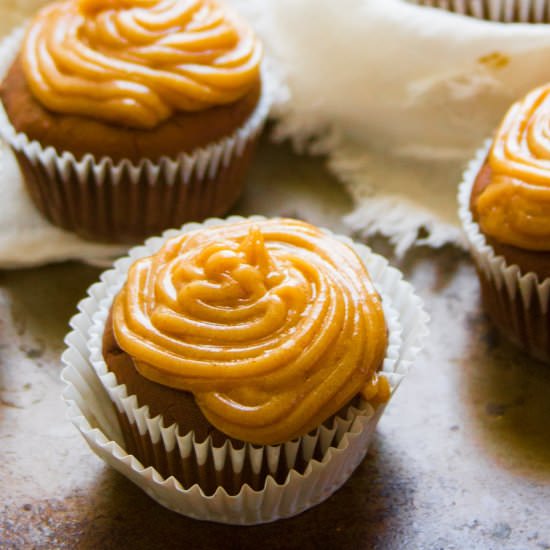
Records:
x=461, y=458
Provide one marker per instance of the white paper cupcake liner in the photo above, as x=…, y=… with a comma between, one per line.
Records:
x=501, y=11
x=82, y=195
x=90, y=389
x=518, y=303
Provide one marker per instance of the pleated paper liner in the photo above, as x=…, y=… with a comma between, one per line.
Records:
x=322, y=461
x=103, y=200
x=499, y=11
x=517, y=303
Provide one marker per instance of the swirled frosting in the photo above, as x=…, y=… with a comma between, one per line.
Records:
x=137, y=62
x=272, y=325
x=515, y=207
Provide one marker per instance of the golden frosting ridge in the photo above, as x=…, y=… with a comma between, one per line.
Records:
x=137, y=62
x=515, y=207
x=272, y=325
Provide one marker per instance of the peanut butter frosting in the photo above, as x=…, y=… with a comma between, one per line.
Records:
x=273, y=326
x=515, y=207
x=136, y=62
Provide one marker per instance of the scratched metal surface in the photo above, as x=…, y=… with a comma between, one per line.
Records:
x=461, y=458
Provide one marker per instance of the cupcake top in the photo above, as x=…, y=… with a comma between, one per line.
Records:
x=137, y=62
x=272, y=325
x=514, y=208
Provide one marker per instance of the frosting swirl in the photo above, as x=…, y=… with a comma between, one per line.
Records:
x=272, y=325
x=515, y=207
x=136, y=62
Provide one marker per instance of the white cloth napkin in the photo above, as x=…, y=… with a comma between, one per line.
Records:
x=397, y=95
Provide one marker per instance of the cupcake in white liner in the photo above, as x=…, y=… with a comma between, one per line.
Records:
x=323, y=459
x=516, y=299
x=500, y=11
x=143, y=175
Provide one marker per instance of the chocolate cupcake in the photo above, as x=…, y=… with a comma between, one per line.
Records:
x=248, y=361
x=505, y=210
x=128, y=118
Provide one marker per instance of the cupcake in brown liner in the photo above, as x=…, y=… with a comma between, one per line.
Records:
x=128, y=119
x=499, y=11
x=210, y=472
x=505, y=211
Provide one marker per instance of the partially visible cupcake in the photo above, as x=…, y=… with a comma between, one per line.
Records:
x=505, y=210
x=129, y=117
x=499, y=11
x=250, y=360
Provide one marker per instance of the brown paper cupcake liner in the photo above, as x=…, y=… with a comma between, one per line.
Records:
x=233, y=484
x=99, y=199
x=517, y=303
x=500, y=11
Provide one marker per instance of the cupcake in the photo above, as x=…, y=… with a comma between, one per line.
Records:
x=501, y=11
x=248, y=362
x=505, y=210
x=130, y=117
